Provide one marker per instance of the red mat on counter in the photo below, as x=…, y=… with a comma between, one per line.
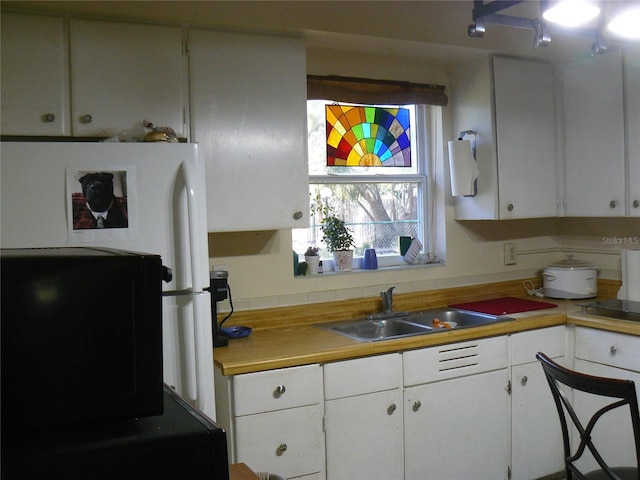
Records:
x=504, y=306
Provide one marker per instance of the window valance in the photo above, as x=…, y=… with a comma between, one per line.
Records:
x=374, y=92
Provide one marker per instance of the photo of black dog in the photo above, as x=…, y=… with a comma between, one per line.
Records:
x=99, y=207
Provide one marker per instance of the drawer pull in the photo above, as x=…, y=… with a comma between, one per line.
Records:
x=416, y=405
x=49, y=117
x=391, y=409
x=524, y=380
x=613, y=349
x=282, y=448
x=279, y=391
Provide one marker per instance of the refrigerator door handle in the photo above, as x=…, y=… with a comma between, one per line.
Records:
x=202, y=341
x=194, y=228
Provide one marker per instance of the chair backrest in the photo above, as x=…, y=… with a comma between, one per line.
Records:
x=623, y=392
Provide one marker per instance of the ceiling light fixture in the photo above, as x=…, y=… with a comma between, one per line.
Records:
x=485, y=13
x=571, y=13
x=627, y=23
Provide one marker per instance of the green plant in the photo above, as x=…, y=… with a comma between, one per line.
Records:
x=334, y=231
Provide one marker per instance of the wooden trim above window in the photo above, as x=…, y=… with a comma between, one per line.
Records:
x=374, y=92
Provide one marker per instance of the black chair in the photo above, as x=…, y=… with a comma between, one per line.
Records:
x=623, y=392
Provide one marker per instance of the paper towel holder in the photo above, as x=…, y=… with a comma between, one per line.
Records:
x=470, y=135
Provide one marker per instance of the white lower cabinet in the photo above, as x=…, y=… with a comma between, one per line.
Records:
x=284, y=442
x=536, y=438
x=478, y=409
x=363, y=422
x=615, y=355
x=456, y=424
x=274, y=420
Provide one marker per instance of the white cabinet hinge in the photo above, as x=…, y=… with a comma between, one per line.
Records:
x=508, y=472
x=324, y=423
x=185, y=48
x=508, y=387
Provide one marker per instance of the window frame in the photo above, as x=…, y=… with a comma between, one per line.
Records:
x=424, y=151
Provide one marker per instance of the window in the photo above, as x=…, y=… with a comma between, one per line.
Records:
x=378, y=204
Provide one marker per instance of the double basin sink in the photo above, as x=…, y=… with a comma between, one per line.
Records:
x=392, y=325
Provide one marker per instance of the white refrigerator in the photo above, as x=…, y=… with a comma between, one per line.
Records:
x=53, y=193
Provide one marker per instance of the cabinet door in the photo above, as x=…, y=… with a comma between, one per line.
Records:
x=286, y=442
x=364, y=436
x=632, y=112
x=594, y=136
x=34, y=79
x=525, y=136
x=534, y=416
x=458, y=429
x=613, y=436
x=123, y=73
x=248, y=113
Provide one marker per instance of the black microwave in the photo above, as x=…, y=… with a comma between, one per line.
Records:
x=81, y=336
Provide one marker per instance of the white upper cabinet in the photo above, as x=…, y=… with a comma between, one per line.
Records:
x=248, y=113
x=510, y=104
x=34, y=80
x=594, y=136
x=122, y=73
x=632, y=112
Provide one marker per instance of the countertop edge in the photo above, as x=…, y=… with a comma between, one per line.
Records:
x=305, y=344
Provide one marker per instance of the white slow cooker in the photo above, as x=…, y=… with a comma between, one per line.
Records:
x=570, y=279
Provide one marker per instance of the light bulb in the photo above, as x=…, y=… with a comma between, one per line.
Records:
x=571, y=13
x=627, y=23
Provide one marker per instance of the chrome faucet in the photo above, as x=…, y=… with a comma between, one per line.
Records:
x=387, y=299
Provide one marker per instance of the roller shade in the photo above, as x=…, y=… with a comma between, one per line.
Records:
x=374, y=92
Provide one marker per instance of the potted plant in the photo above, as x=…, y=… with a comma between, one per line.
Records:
x=336, y=235
x=312, y=258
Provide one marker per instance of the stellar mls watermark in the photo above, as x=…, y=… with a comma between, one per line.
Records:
x=621, y=240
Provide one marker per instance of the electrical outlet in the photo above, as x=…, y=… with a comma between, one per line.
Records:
x=510, y=254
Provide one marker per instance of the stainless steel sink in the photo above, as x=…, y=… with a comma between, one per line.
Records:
x=460, y=318
x=374, y=330
x=388, y=326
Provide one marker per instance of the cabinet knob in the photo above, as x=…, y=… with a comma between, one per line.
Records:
x=416, y=405
x=279, y=391
x=391, y=408
x=613, y=349
x=49, y=117
x=86, y=119
x=524, y=380
x=510, y=207
x=281, y=448
x=297, y=215
x=612, y=204
x=636, y=203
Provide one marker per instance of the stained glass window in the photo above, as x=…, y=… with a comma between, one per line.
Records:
x=368, y=136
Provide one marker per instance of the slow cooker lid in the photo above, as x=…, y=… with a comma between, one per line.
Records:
x=571, y=262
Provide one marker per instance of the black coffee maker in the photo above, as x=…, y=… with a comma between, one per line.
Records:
x=219, y=290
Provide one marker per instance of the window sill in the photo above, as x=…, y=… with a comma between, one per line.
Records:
x=357, y=269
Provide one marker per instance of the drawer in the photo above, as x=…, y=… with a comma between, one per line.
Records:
x=525, y=345
x=609, y=348
x=362, y=375
x=277, y=389
x=454, y=360
x=287, y=442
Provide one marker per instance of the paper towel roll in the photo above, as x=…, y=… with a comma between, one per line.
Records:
x=630, y=289
x=463, y=168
